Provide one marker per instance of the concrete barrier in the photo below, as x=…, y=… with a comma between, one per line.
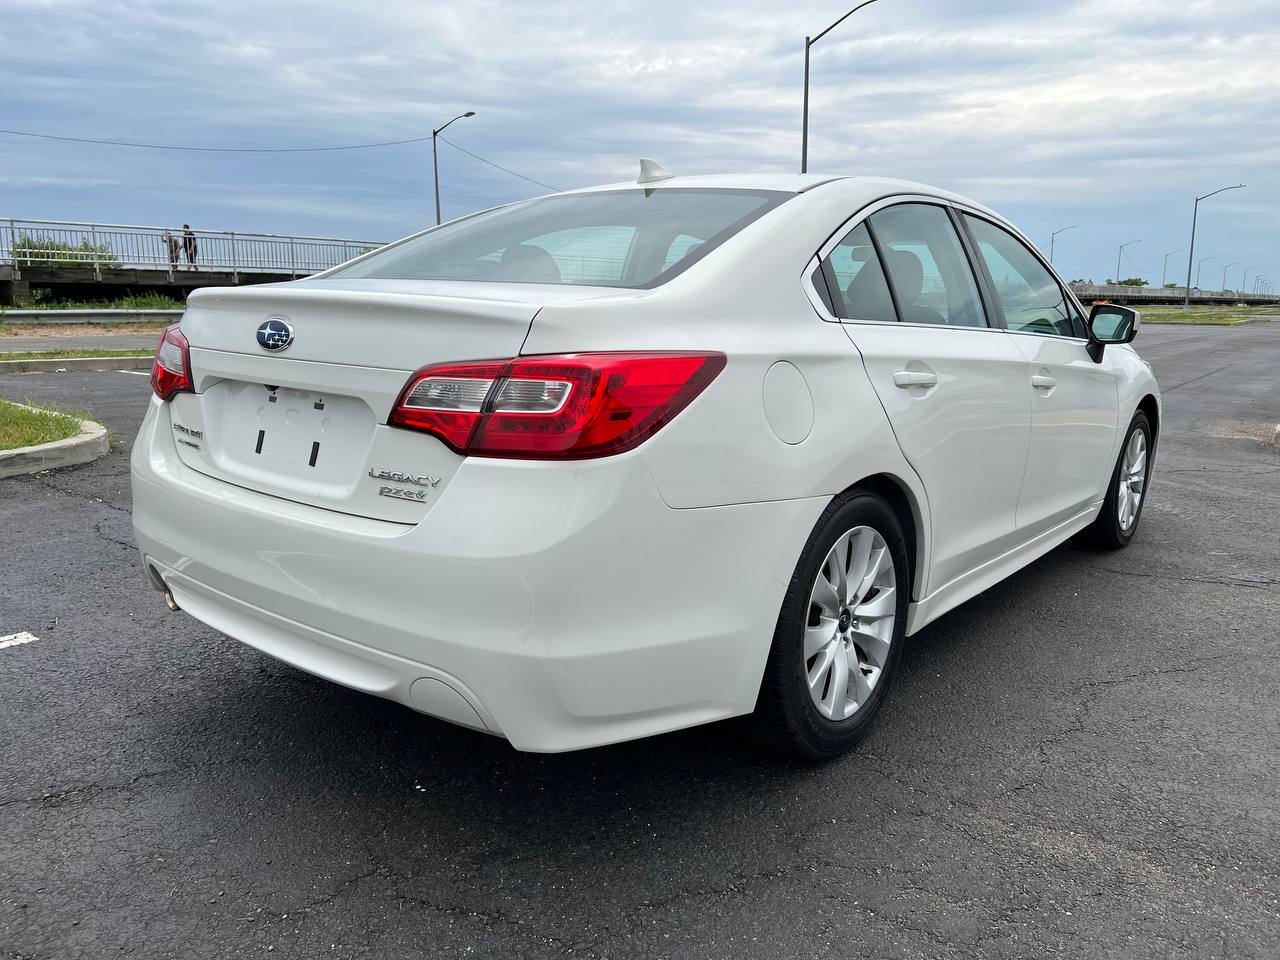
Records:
x=89, y=316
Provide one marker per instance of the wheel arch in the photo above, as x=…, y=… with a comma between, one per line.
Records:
x=907, y=509
x=1151, y=407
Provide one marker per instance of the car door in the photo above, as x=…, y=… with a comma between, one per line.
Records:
x=953, y=386
x=1074, y=412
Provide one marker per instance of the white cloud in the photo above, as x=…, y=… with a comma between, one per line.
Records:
x=1114, y=112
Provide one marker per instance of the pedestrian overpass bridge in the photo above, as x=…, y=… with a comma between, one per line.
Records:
x=79, y=260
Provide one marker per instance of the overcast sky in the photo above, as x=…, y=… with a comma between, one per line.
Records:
x=1110, y=114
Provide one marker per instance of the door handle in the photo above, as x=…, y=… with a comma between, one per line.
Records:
x=1043, y=383
x=914, y=378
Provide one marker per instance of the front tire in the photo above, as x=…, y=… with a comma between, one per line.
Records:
x=840, y=632
x=1127, y=495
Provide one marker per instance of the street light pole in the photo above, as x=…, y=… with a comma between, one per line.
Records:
x=1120, y=253
x=1164, y=274
x=1198, y=262
x=435, y=162
x=1191, y=253
x=1244, y=279
x=1054, y=236
x=1224, y=274
x=809, y=42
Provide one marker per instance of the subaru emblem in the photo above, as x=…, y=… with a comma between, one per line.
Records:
x=275, y=334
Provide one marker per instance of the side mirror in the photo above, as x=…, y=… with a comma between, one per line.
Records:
x=1111, y=323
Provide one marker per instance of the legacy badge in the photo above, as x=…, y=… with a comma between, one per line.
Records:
x=421, y=479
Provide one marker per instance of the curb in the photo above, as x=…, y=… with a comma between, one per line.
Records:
x=72, y=365
x=91, y=443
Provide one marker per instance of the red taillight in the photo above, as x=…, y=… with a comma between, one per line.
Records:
x=171, y=370
x=574, y=406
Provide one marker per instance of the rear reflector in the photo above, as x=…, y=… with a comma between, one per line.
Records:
x=171, y=370
x=575, y=406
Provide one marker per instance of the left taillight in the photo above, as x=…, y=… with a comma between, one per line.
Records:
x=171, y=370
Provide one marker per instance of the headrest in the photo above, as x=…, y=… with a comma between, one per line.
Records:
x=525, y=262
x=908, y=274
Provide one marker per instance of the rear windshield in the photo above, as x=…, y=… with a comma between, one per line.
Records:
x=616, y=238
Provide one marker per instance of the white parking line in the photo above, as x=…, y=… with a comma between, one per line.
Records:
x=136, y=373
x=14, y=639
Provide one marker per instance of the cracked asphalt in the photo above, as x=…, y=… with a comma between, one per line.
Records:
x=1081, y=762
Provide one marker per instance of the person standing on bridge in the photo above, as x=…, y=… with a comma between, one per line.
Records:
x=190, y=245
x=171, y=247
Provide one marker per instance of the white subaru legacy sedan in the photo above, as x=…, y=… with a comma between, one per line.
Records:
x=627, y=459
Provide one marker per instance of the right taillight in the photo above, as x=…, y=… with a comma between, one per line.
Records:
x=171, y=370
x=574, y=406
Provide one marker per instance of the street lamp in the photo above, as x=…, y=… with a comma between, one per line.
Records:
x=1053, y=236
x=1224, y=274
x=1244, y=279
x=435, y=162
x=1195, y=212
x=1198, y=262
x=1120, y=253
x=809, y=42
x=1165, y=272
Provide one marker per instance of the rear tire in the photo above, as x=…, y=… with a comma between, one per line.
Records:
x=840, y=632
x=1117, y=522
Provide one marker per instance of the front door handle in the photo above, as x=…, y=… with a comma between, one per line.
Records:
x=1043, y=383
x=914, y=378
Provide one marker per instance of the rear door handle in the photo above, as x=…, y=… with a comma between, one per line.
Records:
x=914, y=378
x=1043, y=383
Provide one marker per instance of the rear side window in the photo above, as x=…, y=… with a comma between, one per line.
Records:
x=1029, y=295
x=620, y=238
x=857, y=280
x=927, y=266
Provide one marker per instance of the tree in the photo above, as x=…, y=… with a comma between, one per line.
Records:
x=1133, y=282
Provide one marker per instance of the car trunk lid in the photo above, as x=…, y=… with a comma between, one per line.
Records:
x=308, y=422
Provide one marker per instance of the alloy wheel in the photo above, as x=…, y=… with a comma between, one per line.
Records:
x=1133, y=480
x=852, y=609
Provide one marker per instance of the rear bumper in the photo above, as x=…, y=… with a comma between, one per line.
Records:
x=561, y=606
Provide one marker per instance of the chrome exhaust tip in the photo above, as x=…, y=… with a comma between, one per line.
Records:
x=171, y=603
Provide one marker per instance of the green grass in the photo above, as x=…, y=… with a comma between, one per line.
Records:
x=20, y=427
x=73, y=354
x=1212, y=314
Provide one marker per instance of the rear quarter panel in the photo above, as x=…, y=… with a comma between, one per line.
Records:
x=745, y=300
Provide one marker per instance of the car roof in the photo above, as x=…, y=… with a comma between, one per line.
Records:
x=852, y=188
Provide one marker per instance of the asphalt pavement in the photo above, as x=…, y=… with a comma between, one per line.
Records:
x=1080, y=762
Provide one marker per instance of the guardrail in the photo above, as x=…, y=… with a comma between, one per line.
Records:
x=86, y=316
x=1119, y=291
x=109, y=246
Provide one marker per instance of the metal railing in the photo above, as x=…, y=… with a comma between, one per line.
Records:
x=1120, y=291
x=112, y=246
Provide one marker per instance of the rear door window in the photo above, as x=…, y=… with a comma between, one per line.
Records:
x=927, y=266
